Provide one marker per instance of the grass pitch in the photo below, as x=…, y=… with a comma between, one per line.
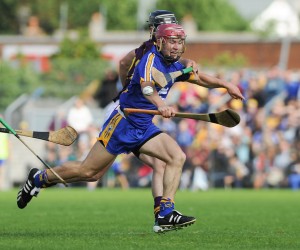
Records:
x=75, y=218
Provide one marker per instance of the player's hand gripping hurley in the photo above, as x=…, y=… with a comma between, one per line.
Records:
x=11, y=130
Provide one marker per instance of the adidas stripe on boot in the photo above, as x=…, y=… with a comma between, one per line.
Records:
x=28, y=190
x=175, y=219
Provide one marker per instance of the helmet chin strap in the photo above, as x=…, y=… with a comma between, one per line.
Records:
x=152, y=33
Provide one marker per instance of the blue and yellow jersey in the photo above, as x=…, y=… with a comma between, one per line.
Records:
x=139, y=52
x=133, y=97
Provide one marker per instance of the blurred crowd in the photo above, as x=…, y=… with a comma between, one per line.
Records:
x=262, y=151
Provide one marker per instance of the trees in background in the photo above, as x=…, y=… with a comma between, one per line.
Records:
x=71, y=70
x=212, y=15
x=8, y=17
x=14, y=79
x=209, y=15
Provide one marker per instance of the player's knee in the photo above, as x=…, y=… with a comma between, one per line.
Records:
x=93, y=179
x=159, y=167
x=182, y=157
x=179, y=158
x=89, y=175
x=97, y=176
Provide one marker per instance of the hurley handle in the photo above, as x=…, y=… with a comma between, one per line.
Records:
x=128, y=111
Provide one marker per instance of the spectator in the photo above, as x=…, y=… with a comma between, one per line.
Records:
x=107, y=89
x=259, y=173
x=184, y=135
x=292, y=85
x=189, y=24
x=33, y=28
x=293, y=170
x=256, y=91
x=96, y=26
x=251, y=113
x=218, y=167
x=199, y=158
x=117, y=174
x=80, y=117
x=275, y=83
x=58, y=121
x=236, y=173
x=168, y=126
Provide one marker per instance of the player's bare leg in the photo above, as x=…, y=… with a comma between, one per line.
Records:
x=158, y=167
x=95, y=164
x=166, y=149
x=156, y=185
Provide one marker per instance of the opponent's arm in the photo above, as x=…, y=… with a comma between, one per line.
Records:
x=154, y=98
x=189, y=63
x=124, y=66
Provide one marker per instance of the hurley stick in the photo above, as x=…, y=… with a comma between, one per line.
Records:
x=162, y=79
x=20, y=139
x=227, y=118
x=64, y=136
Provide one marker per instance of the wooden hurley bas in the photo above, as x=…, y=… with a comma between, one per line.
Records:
x=64, y=136
x=227, y=118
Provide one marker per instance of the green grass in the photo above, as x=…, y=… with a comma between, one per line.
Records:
x=75, y=218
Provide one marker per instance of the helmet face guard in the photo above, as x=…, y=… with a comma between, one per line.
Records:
x=159, y=17
x=167, y=34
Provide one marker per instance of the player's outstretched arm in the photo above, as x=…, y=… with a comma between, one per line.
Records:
x=208, y=81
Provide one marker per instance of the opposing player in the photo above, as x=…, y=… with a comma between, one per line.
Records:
x=136, y=132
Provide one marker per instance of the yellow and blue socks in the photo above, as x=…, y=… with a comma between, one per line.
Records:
x=41, y=179
x=166, y=206
x=156, y=206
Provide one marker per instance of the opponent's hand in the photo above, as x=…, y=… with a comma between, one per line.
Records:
x=234, y=92
x=166, y=111
x=191, y=63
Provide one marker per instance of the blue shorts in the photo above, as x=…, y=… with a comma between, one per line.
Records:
x=119, y=136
